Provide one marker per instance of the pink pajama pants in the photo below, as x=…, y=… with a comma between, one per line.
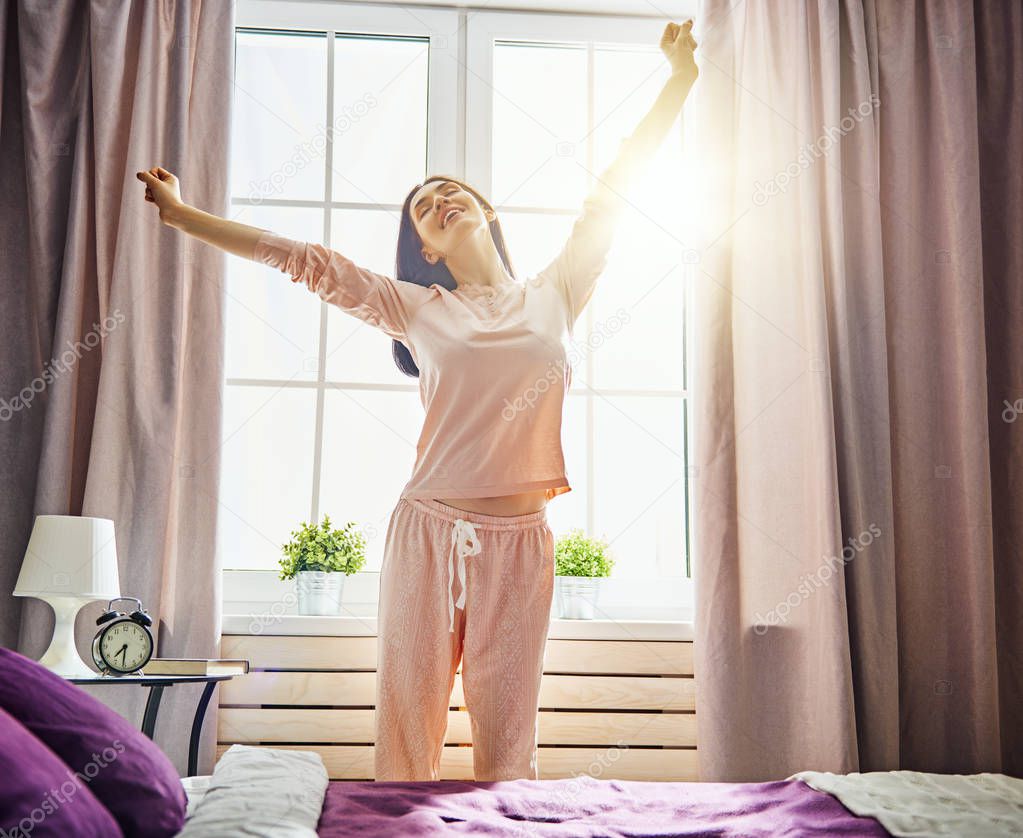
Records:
x=459, y=585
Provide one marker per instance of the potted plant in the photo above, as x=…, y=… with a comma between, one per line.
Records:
x=319, y=558
x=579, y=564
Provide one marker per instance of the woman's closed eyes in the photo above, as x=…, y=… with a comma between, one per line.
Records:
x=450, y=189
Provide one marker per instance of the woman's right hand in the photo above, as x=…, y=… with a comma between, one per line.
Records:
x=678, y=45
x=163, y=190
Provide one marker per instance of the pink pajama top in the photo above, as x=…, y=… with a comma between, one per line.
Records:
x=493, y=368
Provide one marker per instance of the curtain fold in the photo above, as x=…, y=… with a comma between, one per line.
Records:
x=858, y=580
x=112, y=323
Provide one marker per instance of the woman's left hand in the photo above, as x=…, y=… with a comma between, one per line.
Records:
x=678, y=44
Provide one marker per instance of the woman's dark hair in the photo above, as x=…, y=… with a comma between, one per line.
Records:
x=410, y=266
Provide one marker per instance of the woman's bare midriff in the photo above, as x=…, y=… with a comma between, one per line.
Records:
x=508, y=505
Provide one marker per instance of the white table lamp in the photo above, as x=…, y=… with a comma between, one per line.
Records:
x=70, y=561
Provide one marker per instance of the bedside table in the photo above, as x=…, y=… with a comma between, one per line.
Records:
x=156, y=683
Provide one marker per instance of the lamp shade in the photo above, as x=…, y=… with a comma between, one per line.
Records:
x=72, y=556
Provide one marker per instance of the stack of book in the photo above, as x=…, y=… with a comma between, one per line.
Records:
x=195, y=666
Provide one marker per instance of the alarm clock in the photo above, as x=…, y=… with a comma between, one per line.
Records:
x=125, y=644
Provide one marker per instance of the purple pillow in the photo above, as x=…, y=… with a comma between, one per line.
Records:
x=127, y=772
x=40, y=796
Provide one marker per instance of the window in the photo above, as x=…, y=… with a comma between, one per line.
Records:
x=529, y=108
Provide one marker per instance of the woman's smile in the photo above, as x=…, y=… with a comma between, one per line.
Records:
x=448, y=215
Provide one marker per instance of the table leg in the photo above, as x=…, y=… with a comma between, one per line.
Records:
x=200, y=713
x=152, y=708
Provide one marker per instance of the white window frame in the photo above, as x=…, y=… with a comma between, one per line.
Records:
x=459, y=121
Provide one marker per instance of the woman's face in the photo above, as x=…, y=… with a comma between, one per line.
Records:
x=444, y=214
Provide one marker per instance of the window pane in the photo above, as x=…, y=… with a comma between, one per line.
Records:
x=646, y=267
x=626, y=84
x=272, y=323
x=569, y=510
x=267, y=472
x=533, y=239
x=380, y=87
x=357, y=351
x=639, y=482
x=626, y=81
x=539, y=125
x=369, y=449
x=279, y=112
x=637, y=336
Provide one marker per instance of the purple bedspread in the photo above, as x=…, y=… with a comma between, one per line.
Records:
x=583, y=806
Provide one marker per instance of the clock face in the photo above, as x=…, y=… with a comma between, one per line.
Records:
x=125, y=646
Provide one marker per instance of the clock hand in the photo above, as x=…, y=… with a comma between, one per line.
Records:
x=121, y=652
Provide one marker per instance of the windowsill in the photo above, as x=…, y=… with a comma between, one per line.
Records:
x=258, y=602
x=342, y=626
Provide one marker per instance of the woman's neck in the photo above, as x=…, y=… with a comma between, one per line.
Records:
x=477, y=262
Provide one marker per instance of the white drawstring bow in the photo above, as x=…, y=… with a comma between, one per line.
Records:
x=463, y=536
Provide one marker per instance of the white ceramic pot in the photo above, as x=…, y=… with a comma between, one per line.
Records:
x=577, y=596
x=319, y=592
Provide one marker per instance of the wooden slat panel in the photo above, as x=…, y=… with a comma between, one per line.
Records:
x=571, y=692
x=640, y=657
x=355, y=762
x=265, y=726
x=615, y=657
x=290, y=652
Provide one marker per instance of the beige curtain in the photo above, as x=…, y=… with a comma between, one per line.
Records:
x=112, y=325
x=859, y=335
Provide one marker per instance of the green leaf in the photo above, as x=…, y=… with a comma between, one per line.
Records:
x=322, y=547
x=575, y=554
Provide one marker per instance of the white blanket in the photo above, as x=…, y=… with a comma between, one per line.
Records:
x=257, y=791
x=914, y=804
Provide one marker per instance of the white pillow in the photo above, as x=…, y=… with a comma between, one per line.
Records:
x=260, y=791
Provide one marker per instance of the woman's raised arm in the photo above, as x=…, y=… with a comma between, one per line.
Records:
x=163, y=189
x=583, y=257
x=677, y=44
x=232, y=236
x=639, y=148
x=377, y=299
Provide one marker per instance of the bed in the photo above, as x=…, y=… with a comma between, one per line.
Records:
x=60, y=744
x=281, y=792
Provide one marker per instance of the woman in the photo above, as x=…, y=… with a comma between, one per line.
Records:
x=493, y=374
